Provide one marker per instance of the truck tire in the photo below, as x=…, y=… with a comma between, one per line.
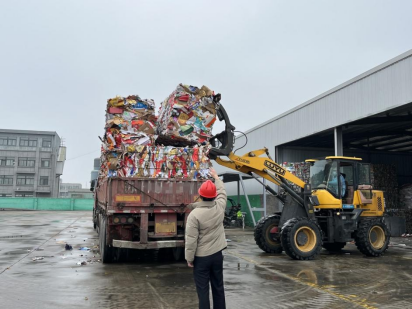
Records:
x=106, y=252
x=178, y=253
x=267, y=241
x=94, y=219
x=335, y=246
x=301, y=238
x=98, y=224
x=372, y=237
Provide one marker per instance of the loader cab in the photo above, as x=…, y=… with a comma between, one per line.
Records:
x=340, y=176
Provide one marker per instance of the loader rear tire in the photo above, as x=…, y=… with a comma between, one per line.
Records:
x=107, y=253
x=264, y=236
x=372, y=237
x=335, y=246
x=301, y=238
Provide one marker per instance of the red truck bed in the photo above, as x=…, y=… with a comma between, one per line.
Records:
x=142, y=213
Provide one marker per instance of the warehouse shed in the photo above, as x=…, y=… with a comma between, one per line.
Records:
x=369, y=116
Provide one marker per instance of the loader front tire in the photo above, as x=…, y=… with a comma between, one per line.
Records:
x=372, y=237
x=267, y=234
x=301, y=238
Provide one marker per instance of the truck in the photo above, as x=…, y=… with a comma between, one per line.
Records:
x=141, y=214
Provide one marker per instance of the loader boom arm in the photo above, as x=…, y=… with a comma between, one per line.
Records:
x=252, y=162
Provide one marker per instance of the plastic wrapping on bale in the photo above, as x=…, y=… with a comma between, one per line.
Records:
x=187, y=115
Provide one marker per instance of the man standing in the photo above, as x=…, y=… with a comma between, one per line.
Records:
x=205, y=240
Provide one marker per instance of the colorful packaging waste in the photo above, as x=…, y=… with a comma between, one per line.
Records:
x=132, y=147
x=188, y=115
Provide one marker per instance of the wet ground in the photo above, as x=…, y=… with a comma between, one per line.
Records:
x=37, y=272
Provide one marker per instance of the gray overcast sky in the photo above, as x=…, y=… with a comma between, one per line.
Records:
x=61, y=60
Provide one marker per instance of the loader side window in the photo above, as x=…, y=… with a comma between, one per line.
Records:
x=346, y=170
x=333, y=179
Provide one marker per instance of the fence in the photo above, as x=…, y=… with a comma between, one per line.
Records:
x=46, y=203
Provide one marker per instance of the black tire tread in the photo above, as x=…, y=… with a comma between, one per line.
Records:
x=362, y=238
x=286, y=239
x=106, y=252
x=259, y=235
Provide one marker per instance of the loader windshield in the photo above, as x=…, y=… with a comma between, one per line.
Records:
x=324, y=175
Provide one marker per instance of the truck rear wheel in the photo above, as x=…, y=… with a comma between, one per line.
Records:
x=335, y=246
x=106, y=252
x=267, y=234
x=94, y=219
x=178, y=253
x=301, y=238
x=372, y=237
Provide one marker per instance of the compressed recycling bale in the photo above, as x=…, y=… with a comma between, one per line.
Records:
x=160, y=162
x=131, y=147
x=300, y=170
x=384, y=178
x=405, y=196
x=187, y=115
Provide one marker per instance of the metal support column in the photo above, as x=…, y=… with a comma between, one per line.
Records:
x=251, y=210
x=338, y=141
x=238, y=192
x=264, y=197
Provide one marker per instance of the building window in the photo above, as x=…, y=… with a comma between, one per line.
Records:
x=46, y=143
x=28, y=142
x=29, y=194
x=5, y=195
x=27, y=162
x=6, y=141
x=25, y=180
x=44, y=180
x=45, y=162
x=6, y=180
x=6, y=161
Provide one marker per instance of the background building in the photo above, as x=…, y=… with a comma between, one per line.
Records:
x=95, y=172
x=74, y=190
x=31, y=163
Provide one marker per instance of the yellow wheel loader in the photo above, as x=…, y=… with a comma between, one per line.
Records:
x=337, y=206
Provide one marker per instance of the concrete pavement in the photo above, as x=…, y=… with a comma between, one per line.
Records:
x=253, y=279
